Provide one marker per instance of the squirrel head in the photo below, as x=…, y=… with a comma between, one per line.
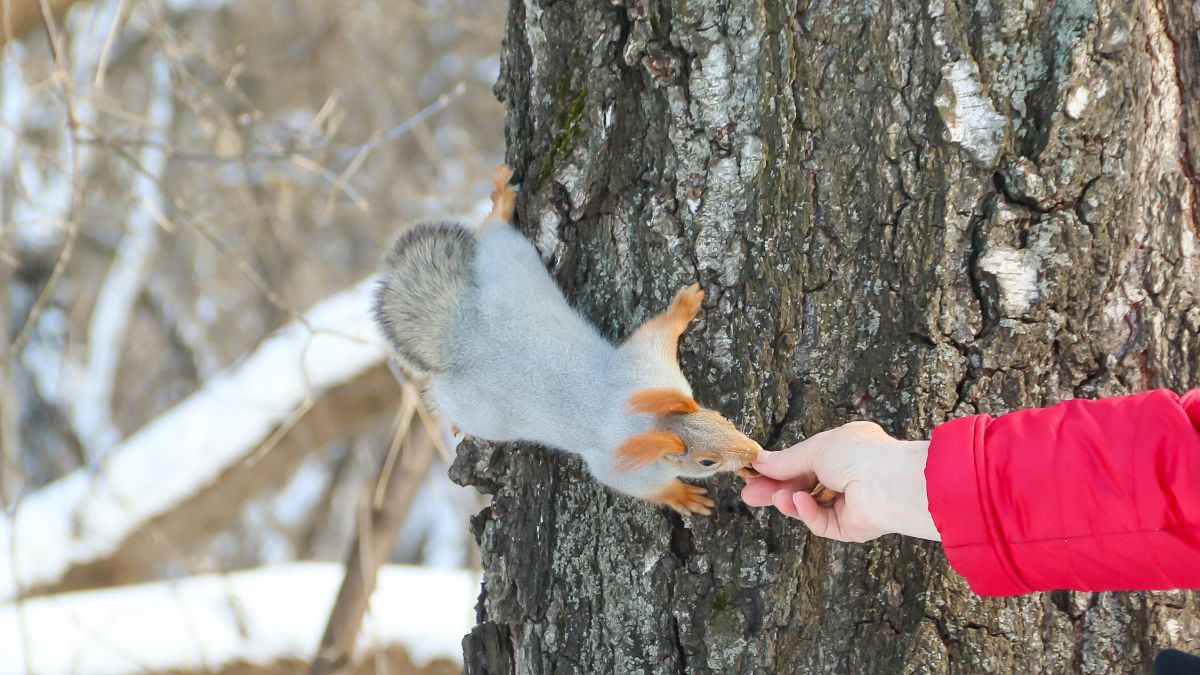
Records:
x=699, y=441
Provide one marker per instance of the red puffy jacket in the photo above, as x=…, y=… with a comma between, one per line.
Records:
x=1083, y=495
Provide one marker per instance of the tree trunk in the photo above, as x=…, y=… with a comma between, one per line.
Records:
x=901, y=211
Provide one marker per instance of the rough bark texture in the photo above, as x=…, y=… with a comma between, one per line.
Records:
x=901, y=211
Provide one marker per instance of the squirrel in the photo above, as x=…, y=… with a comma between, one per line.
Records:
x=477, y=316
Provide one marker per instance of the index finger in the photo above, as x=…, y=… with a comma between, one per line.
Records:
x=758, y=490
x=794, y=462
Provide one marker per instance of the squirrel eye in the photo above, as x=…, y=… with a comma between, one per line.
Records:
x=707, y=462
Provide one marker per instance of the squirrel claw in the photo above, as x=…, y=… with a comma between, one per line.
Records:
x=504, y=197
x=686, y=304
x=501, y=176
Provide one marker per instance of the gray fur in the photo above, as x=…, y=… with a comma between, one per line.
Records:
x=509, y=359
x=423, y=281
x=535, y=370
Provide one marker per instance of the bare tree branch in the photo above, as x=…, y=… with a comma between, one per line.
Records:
x=187, y=525
x=385, y=506
x=92, y=405
x=72, y=532
x=72, y=208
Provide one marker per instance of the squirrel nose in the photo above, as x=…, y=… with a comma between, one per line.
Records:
x=748, y=454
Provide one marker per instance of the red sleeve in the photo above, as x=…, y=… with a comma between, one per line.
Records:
x=1083, y=495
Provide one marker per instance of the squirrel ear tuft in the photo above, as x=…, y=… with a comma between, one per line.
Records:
x=642, y=449
x=662, y=401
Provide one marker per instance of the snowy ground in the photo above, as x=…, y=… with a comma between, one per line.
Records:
x=257, y=616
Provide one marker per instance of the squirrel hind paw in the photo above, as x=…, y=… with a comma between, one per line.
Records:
x=502, y=174
x=686, y=304
x=504, y=196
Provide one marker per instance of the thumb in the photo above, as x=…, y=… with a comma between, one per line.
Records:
x=794, y=462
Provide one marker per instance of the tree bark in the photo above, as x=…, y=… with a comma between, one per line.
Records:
x=901, y=211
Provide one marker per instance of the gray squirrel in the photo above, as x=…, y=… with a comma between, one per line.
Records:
x=506, y=358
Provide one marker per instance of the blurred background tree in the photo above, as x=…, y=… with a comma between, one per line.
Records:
x=180, y=181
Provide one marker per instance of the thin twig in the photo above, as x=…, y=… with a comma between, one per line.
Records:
x=431, y=426
x=404, y=419
x=376, y=535
x=91, y=411
x=341, y=155
x=60, y=265
x=62, y=75
x=407, y=125
x=342, y=183
x=109, y=41
x=283, y=429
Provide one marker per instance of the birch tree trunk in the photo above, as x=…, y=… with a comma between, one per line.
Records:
x=901, y=211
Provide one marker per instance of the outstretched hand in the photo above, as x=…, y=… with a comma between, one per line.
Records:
x=882, y=481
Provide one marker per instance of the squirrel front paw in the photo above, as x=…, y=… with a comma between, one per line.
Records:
x=686, y=499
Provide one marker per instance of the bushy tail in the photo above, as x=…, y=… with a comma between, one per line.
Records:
x=423, y=281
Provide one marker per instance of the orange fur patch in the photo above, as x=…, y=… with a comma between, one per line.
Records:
x=642, y=449
x=662, y=401
x=686, y=305
x=504, y=197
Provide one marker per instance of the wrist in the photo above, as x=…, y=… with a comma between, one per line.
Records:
x=911, y=515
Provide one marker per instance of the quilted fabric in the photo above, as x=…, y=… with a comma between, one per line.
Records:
x=1083, y=495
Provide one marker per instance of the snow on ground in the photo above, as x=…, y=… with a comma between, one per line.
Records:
x=256, y=616
x=85, y=515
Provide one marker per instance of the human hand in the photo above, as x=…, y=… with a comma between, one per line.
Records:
x=881, y=481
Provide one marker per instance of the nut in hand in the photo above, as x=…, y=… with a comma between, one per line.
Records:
x=823, y=495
